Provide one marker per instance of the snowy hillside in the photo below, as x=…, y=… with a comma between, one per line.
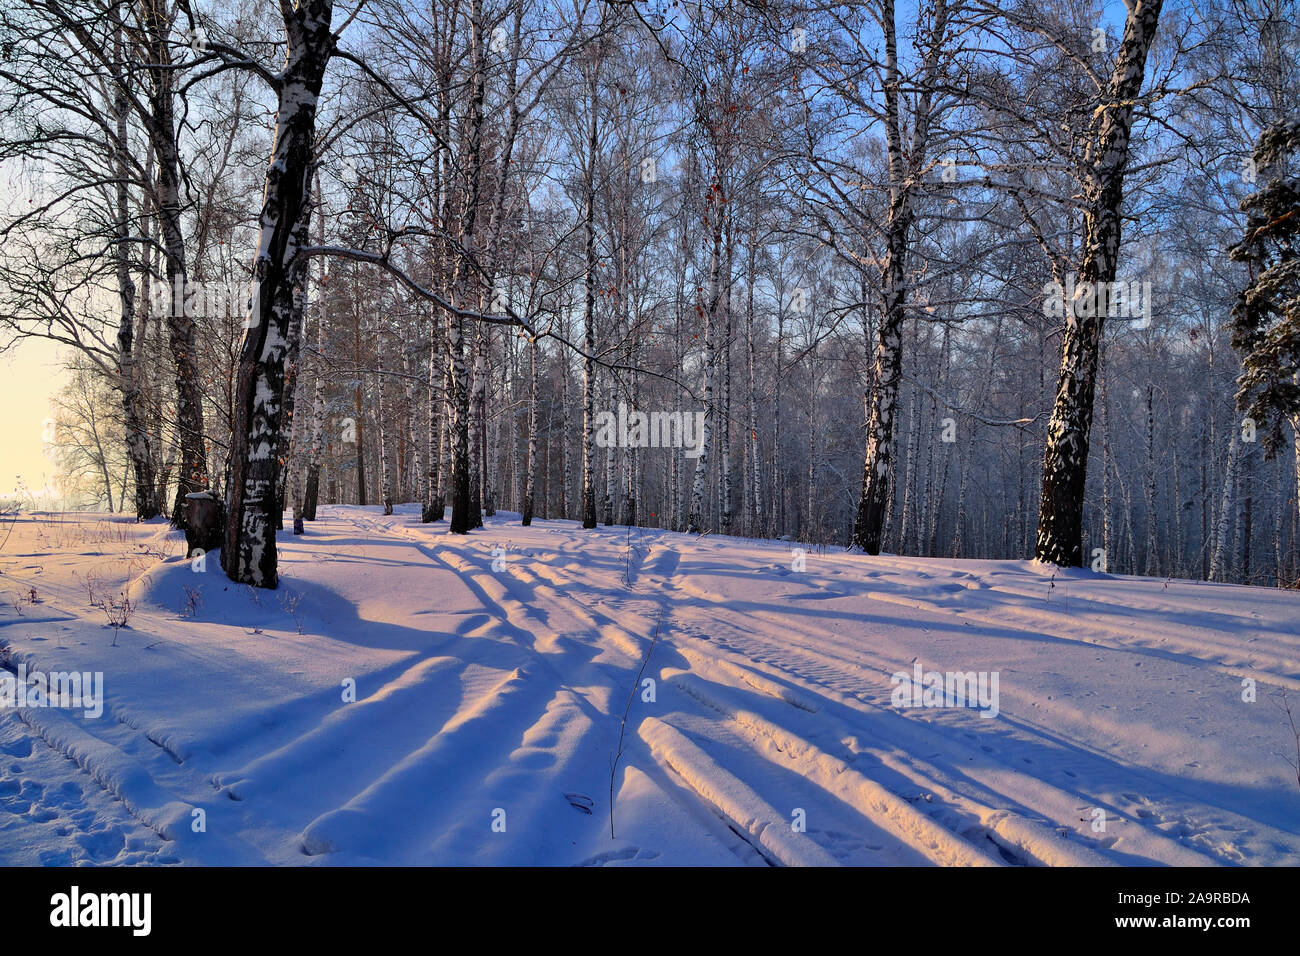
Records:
x=770, y=724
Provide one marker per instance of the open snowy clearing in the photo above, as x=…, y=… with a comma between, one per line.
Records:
x=488, y=704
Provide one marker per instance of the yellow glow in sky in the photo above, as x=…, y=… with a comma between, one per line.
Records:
x=30, y=374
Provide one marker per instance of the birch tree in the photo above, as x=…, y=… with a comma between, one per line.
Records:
x=249, y=554
x=1103, y=163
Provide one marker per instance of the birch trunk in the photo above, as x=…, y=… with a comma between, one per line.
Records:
x=531, y=476
x=611, y=473
x=433, y=509
x=249, y=555
x=385, y=464
x=695, y=519
x=755, y=496
x=139, y=447
x=1152, y=566
x=160, y=125
x=1065, y=460
x=414, y=476
x=478, y=426
x=887, y=365
x=724, y=423
x=459, y=440
x=311, y=493
x=284, y=440
x=589, y=307
x=465, y=513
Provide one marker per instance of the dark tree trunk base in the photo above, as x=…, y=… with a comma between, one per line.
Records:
x=311, y=494
x=205, y=523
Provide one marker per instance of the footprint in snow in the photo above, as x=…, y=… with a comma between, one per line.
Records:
x=18, y=748
x=103, y=844
x=617, y=856
x=70, y=793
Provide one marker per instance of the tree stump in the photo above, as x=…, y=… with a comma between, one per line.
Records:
x=205, y=522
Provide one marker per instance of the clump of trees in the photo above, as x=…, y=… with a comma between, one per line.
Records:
x=385, y=251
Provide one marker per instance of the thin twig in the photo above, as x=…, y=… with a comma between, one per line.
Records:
x=1286, y=706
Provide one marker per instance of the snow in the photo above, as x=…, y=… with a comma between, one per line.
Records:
x=397, y=701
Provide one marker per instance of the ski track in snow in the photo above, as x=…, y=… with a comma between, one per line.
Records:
x=488, y=703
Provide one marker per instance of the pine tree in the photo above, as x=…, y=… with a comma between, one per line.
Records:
x=1266, y=318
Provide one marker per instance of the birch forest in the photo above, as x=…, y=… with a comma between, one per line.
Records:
x=943, y=278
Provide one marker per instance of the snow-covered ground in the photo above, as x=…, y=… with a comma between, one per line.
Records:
x=492, y=674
